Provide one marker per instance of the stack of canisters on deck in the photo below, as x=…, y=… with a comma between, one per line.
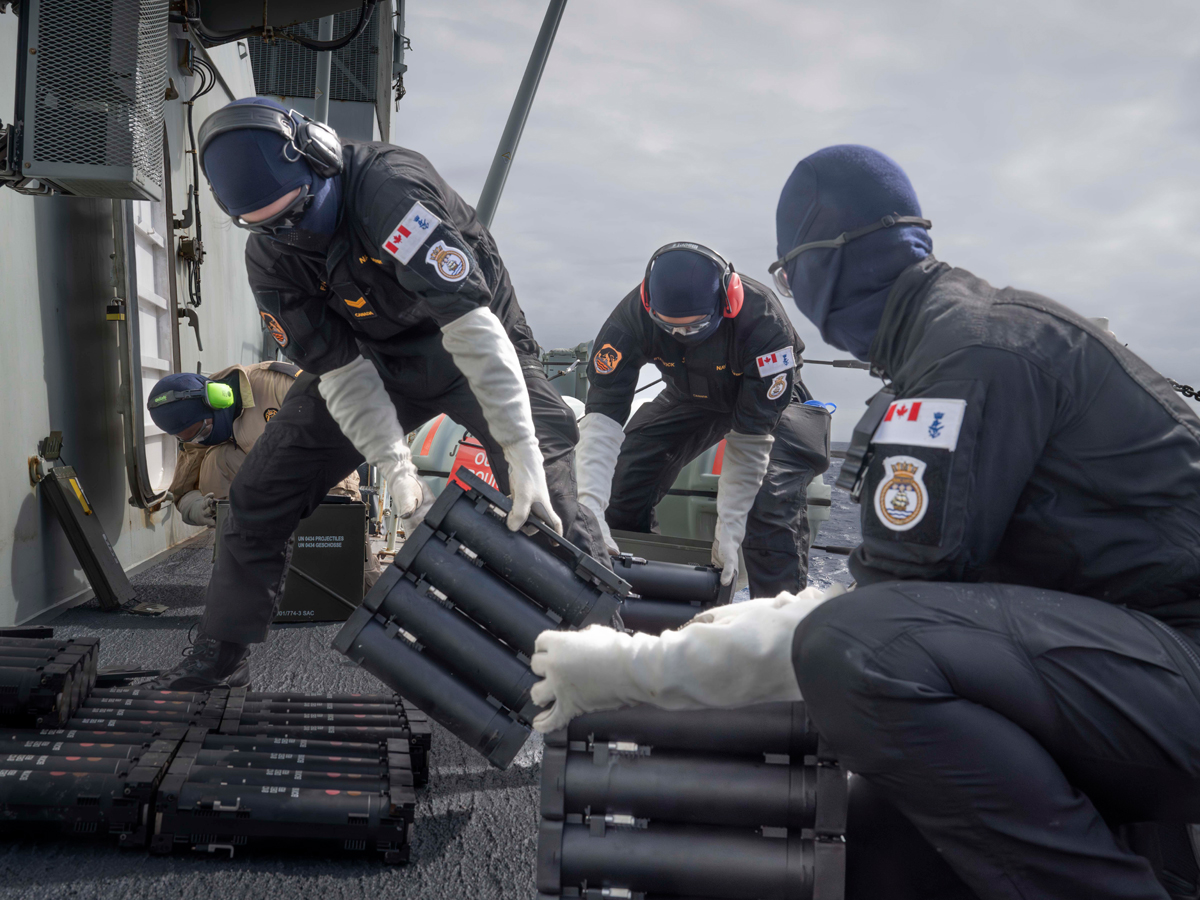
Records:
x=667, y=595
x=223, y=791
x=352, y=718
x=451, y=625
x=212, y=771
x=740, y=804
x=43, y=682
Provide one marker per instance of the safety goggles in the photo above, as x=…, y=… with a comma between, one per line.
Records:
x=287, y=218
x=778, y=269
x=205, y=430
x=687, y=330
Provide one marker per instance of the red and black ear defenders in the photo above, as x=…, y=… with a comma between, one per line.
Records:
x=731, y=282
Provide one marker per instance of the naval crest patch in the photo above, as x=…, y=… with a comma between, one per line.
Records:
x=902, y=499
x=274, y=328
x=778, y=386
x=606, y=360
x=449, y=262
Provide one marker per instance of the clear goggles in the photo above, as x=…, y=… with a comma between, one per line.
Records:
x=287, y=218
x=205, y=430
x=778, y=269
x=691, y=328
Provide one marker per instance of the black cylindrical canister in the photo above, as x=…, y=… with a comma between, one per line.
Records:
x=504, y=612
x=31, y=796
x=672, y=582
x=521, y=562
x=747, y=731
x=313, y=807
x=354, y=733
x=70, y=748
x=292, y=697
x=655, y=616
x=292, y=744
x=299, y=760
x=43, y=763
x=691, y=789
x=370, y=642
x=88, y=721
x=142, y=694
x=153, y=714
x=249, y=717
x=19, y=686
x=462, y=646
x=689, y=860
x=113, y=703
x=103, y=736
x=284, y=706
x=286, y=777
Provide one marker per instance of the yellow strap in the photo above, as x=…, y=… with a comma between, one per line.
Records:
x=87, y=510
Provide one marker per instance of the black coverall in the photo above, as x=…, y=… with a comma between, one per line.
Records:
x=712, y=388
x=392, y=275
x=1019, y=662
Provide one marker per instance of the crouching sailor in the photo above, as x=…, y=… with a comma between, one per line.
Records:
x=376, y=278
x=1019, y=665
x=731, y=362
x=218, y=420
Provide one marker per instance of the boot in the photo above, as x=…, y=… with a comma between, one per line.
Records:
x=206, y=664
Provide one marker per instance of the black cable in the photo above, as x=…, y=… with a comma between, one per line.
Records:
x=206, y=81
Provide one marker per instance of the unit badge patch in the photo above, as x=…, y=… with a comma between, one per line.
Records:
x=776, y=361
x=606, y=359
x=407, y=237
x=901, y=500
x=275, y=329
x=923, y=422
x=450, y=262
x=778, y=386
x=270, y=413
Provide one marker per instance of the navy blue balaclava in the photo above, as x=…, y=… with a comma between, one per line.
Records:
x=683, y=283
x=249, y=169
x=843, y=290
x=182, y=414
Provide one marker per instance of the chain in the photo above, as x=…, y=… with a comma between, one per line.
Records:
x=1186, y=389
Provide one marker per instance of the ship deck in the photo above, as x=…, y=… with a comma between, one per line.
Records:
x=476, y=827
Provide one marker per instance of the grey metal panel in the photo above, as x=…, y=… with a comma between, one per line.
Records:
x=284, y=68
x=101, y=132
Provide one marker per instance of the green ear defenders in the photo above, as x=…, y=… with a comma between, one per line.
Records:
x=214, y=394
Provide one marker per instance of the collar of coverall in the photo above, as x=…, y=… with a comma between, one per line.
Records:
x=902, y=311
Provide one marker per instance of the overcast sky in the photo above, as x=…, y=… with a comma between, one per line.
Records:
x=1054, y=144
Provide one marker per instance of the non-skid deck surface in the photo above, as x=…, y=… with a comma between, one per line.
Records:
x=476, y=827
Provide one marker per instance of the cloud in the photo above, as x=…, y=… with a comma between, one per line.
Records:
x=1056, y=146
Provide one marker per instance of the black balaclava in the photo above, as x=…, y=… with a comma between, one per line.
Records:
x=182, y=414
x=843, y=290
x=683, y=283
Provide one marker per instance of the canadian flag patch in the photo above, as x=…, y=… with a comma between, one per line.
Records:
x=922, y=422
x=407, y=237
x=776, y=361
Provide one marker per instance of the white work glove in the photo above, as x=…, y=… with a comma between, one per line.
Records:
x=409, y=523
x=742, y=471
x=737, y=660
x=359, y=403
x=600, y=440
x=198, y=509
x=484, y=353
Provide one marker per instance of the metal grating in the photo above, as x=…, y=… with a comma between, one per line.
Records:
x=285, y=69
x=101, y=71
